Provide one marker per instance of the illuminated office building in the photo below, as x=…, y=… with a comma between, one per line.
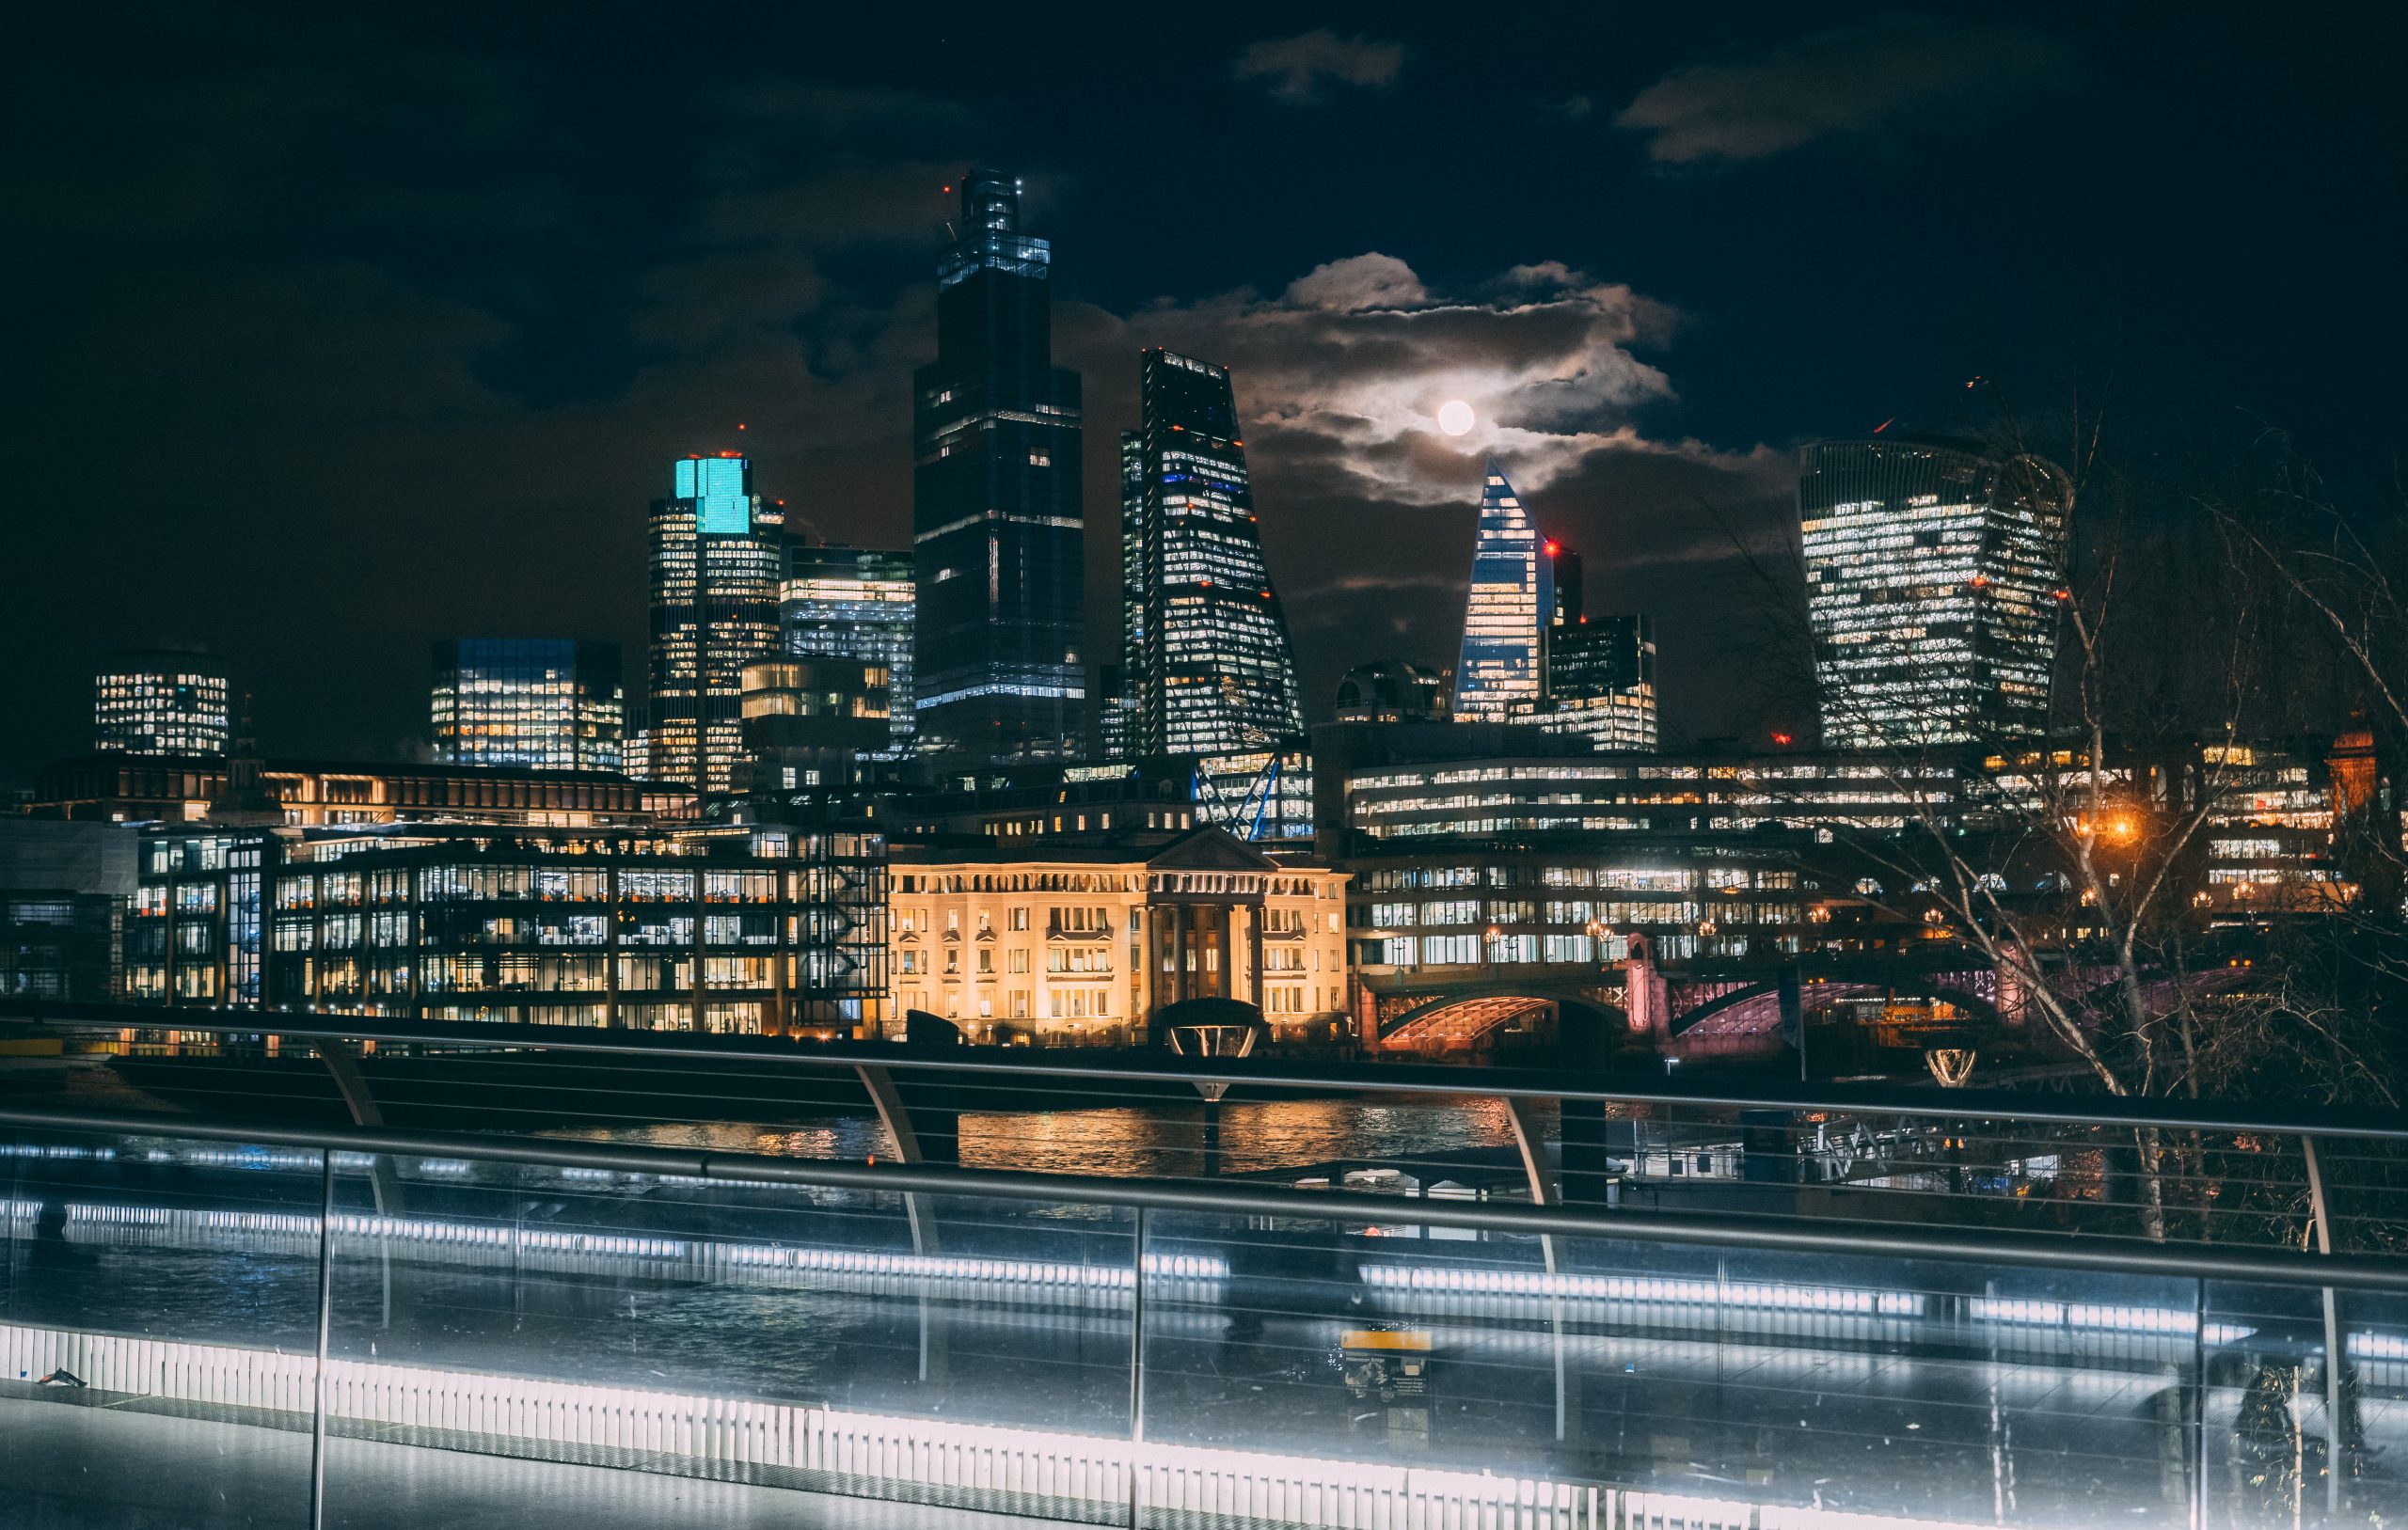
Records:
x=542, y=704
x=1502, y=673
x=1210, y=665
x=807, y=721
x=1934, y=580
x=998, y=532
x=159, y=701
x=1116, y=717
x=1601, y=681
x=717, y=556
x=856, y=603
x=753, y=930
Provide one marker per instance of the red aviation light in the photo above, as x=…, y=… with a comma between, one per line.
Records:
x=1551, y=549
x=1784, y=740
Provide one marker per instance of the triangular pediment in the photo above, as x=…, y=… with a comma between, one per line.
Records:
x=1209, y=848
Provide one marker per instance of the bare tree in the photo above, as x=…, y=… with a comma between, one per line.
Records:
x=2074, y=865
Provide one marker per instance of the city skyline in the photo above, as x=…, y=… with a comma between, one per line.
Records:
x=770, y=268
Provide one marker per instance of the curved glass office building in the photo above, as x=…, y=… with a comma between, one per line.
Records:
x=1935, y=577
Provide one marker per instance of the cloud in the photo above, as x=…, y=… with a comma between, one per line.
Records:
x=1862, y=82
x=1340, y=375
x=1295, y=69
x=1367, y=509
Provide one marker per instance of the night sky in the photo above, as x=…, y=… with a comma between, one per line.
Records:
x=334, y=335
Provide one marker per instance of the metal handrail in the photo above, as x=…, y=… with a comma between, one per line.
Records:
x=1795, y=1234
x=1394, y=1078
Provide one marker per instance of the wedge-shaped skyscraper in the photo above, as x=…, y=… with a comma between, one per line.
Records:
x=1503, y=672
x=1206, y=655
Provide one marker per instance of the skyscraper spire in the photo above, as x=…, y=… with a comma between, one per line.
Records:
x=1502, y=673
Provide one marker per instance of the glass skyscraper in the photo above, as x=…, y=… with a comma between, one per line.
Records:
x=1502, y=673
x=717, y=552
x=544, y=704
x=855, y=603
x=1601, y=680
x=1935, y=577
x=998, y=532
x=1207, y=660
x=159, y=701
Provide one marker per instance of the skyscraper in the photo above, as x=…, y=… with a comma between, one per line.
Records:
x=159, y=701
x=1601, y=681
x=545, y=704
x=1935, y=575
x=1392, y=690
x=855, y=603
x=1208, y=662
x=1570, y=606
x=1502, y=673
x=715, y=555
x=1116, y=713
x=998, y=533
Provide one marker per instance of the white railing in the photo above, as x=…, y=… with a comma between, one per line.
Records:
x=539, y=1248
x=878, y=1455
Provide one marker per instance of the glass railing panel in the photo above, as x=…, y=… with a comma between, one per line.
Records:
x=1925, y=1392
x=969, y=1355
x=2286, y=1441
x=158, y=1331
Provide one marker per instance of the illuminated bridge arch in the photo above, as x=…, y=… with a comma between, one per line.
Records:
x=1754, y=1009
x=1454, y=1021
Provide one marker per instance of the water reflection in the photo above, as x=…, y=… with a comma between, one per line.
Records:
x=1137, y=1140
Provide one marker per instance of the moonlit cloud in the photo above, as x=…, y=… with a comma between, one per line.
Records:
x=1295, y=69
x=1865, y=82
x=1343, y=375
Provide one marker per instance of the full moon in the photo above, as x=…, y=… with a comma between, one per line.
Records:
x=1454, y=417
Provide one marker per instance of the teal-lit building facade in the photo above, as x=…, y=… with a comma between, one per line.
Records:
x=716, y=560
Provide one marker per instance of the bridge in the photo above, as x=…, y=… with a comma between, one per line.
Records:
x=1944, y=996
x=379, y=1325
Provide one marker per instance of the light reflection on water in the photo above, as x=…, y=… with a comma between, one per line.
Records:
x=1136, y=1140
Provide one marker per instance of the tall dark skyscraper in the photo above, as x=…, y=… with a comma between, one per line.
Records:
x=717, y=554
x=998, y=533
x=1601, y=680
x=1570, y=586
x=1934, y=580
x=1208, y=659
